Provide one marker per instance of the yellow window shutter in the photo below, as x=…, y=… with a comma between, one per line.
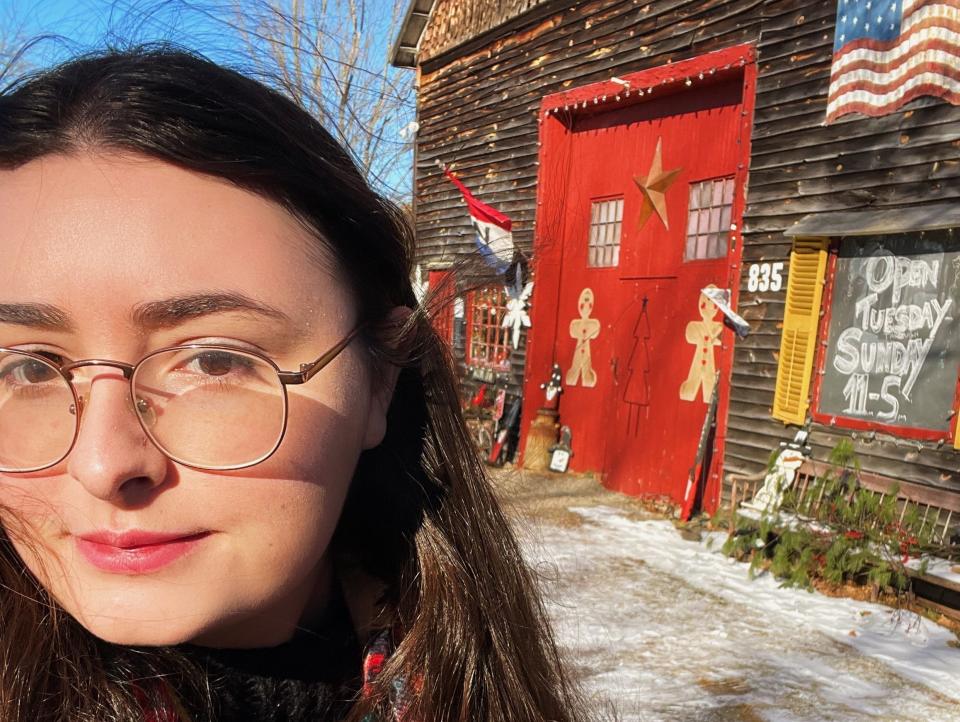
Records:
x=808, y=264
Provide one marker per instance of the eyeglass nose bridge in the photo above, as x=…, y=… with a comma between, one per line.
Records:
x=67, y=370
x=126, y=369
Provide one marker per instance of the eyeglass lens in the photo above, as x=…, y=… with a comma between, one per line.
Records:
x=207, y=407
x=35, y=413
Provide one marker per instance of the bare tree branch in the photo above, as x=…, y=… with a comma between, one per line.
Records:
x=13, y=47
x=332, y=57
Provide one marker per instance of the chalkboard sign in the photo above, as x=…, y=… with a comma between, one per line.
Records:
x=893, y=341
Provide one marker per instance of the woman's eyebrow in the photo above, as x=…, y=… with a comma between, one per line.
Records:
x=36, y=315
x=170, y=312
x=149, y=316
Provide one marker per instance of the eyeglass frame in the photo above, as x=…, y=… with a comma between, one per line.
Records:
x=287, y=378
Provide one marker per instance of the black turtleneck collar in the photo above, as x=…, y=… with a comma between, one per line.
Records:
x=314, y=676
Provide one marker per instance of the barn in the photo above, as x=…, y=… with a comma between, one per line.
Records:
x=735, y=231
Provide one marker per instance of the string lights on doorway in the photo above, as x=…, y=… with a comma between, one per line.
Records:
x=624, y=89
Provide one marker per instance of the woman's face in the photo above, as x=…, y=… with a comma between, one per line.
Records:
x=97, y=236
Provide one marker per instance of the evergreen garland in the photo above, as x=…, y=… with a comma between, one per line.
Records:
x=837, y=532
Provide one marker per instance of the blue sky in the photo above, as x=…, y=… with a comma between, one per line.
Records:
x=76, y=26
x=87, y=23
x=84, y=24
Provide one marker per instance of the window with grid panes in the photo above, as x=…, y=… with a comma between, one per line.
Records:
x=708, y=225
x=606, y=221
x=487, y=344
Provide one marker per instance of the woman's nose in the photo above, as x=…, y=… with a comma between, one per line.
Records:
x=112, y=456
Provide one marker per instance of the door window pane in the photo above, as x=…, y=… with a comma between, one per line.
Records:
x=708, y=224
x=606, y=222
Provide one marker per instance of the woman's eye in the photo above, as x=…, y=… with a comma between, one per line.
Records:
x=35, y=372
x=218, y=363
x=30, y=371
x=56, y=358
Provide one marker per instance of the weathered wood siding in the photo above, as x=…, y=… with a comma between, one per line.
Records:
x=453, y=22
x=799, y=166
x=478, y=114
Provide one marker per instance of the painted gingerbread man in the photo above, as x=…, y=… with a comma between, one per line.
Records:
x=584, y=330
x=704, y=334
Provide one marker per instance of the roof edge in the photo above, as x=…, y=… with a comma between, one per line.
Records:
x=405, y=48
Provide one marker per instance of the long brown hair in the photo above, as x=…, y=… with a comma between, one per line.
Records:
x=420, y=515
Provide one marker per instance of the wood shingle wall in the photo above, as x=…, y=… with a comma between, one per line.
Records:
x=453, y=22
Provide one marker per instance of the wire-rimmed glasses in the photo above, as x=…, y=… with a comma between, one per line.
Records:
x=206, y=406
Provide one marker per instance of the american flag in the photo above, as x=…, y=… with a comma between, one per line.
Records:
x=888, y=52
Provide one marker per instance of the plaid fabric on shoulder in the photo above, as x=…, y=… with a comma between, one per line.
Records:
x=377, y=653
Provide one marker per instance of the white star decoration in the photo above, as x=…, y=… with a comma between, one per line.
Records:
x=516, y=316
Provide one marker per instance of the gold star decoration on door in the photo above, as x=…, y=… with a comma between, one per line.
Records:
x=654, y=189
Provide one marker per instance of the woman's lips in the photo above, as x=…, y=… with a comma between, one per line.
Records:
x=135, y=552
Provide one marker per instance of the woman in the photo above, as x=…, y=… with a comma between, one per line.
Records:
x=233, y=471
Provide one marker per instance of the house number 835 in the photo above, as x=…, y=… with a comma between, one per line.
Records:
x=765, y=277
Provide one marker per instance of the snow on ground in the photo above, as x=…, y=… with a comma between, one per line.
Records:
x=666, y=629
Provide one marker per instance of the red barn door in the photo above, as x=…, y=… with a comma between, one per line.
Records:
x=636, y=207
